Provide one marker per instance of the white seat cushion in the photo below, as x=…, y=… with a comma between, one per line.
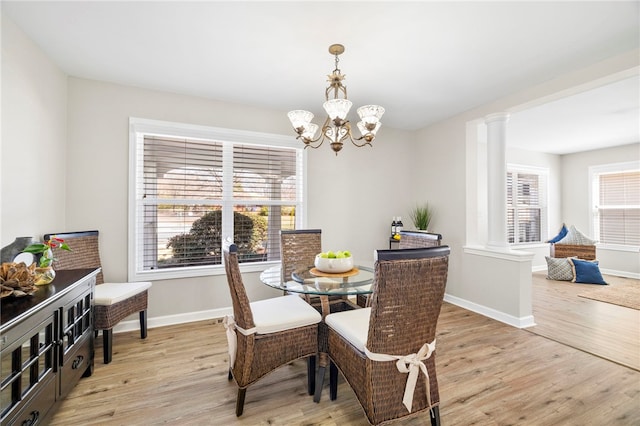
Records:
x=352, y=325
x=282, y=313
x=109, y=293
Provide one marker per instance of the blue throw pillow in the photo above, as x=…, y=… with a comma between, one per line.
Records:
x=561, y=235
x=586, y=272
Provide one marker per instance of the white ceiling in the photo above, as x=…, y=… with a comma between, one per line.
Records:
x=423, y=61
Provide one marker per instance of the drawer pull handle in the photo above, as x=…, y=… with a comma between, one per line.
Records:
x=77, y=362
x=34, y=418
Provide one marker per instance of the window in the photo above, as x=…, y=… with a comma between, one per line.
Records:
x=526, y=204
x=616, y=203
x=193, y=186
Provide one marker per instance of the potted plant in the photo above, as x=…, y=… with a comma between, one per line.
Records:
x=421, y=216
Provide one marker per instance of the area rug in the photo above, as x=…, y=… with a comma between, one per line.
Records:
x=627, y=295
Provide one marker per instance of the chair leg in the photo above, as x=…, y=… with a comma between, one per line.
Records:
x=107, y=344
x=319, y=382
x=240, y=402
x=434, y=414
x=230, y=376
x=333, y=381
x=143, y=324
x=311, y=374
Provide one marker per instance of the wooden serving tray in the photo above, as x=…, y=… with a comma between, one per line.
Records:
x=317, y=273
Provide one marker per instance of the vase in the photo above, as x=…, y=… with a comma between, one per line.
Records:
x=8, y=253
x=44, y=275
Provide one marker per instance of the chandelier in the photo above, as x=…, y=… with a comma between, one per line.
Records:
x=336, y=127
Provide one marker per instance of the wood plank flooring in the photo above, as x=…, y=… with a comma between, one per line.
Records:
x=603, y=329
x=489, y=374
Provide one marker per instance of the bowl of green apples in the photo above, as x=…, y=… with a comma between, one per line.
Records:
x=334, y=262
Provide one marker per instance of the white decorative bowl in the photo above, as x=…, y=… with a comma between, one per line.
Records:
x=333, y=266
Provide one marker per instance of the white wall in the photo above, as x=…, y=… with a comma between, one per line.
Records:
x=351, y=197
x=33, y=157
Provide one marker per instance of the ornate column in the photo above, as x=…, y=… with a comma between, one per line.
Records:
x=497, y=179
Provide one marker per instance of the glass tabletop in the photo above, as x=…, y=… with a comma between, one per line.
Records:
x=357, y=281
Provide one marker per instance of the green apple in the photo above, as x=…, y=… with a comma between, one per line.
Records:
x=340, y=255
x=324, y=255
x=346, y=253
x=331, y=255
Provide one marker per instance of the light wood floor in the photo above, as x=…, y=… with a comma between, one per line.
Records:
x=603, y=329
x=489, y=374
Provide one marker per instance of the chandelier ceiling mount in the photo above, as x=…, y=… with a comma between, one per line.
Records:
x=336, y=127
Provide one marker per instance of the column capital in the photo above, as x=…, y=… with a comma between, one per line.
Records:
x=497, y=116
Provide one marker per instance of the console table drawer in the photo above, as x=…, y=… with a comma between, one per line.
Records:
x=76, y=362
x=33, y=410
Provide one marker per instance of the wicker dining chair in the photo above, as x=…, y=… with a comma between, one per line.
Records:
x=113, y=302
x=298, y=248
x=410, y=239
x=266, y=334
x=365, y=344
x=418, y=239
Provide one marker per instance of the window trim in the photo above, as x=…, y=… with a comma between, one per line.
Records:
x=627, y=166
x=142, y=126
x=544, y=214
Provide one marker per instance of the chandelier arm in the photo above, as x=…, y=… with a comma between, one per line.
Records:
x=366, y=142
x=308, y=143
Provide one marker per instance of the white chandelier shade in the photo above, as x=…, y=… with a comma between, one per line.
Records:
x=337, y=127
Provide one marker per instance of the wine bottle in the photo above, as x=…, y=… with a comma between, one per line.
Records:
x=399, y=225
x=394, y=224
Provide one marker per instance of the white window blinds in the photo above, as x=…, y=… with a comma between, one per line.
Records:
x=191, y=193
x=526, y=205
x=617, y=209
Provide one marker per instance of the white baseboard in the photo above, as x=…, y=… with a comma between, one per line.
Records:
x=623, y=274
x=132, y=325
x=521, y=322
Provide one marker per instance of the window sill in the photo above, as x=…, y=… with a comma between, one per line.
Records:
x=528, y=246
x=615, y=247
x=194, y=272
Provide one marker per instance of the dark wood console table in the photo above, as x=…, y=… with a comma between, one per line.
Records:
x=46, y=345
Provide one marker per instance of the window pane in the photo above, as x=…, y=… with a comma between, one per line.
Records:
x=618, y=211
x=264, y=173
x=620, y=226
x=528, y=193
x=184, y=235
x=528, y=225
x=182, y=169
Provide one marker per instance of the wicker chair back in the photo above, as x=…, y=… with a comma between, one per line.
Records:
x=84, y=253
x=415, y=239
x=241, y=309
x=298, y=248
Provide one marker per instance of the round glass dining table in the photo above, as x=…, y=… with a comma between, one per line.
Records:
x=309, y=281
